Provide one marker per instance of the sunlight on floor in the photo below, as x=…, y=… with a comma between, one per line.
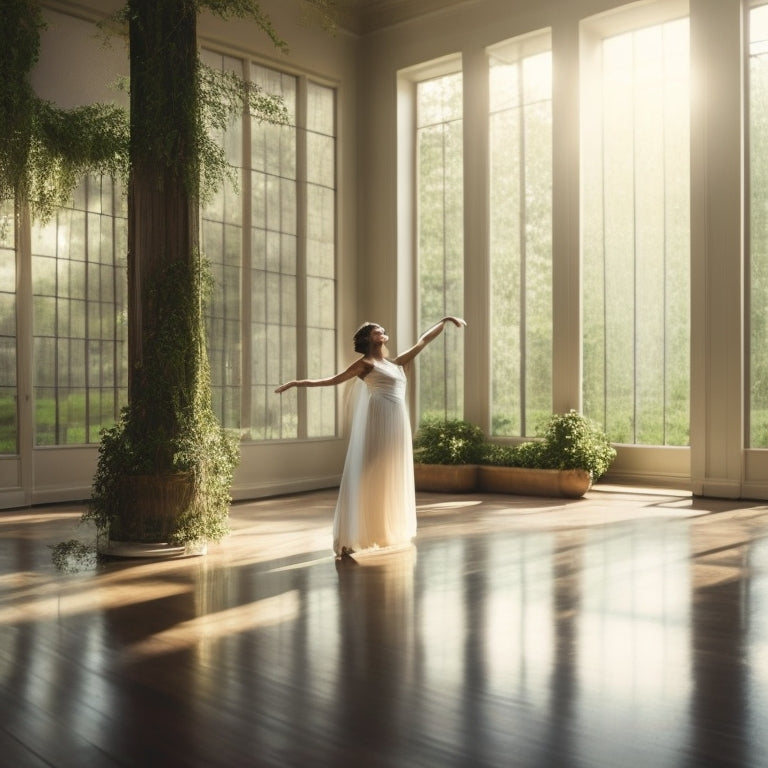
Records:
x=230, y=621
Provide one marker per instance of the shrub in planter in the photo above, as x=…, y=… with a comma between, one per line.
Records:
x=446, y=454
x=573, y=453
x=528, y=455
x=449, y=441
x=570, y=441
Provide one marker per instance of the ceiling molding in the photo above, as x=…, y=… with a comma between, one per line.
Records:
x=366, y=16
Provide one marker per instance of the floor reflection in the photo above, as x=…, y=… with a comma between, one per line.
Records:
x=581, y=635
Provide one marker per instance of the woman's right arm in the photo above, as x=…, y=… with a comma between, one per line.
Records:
x=358, y=368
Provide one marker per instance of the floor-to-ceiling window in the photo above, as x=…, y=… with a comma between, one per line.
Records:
x=273, y=312
x=278, y=250
x=320, y=254
x=274, y=255
x=520, y=212
x=758, y=227
x=221, y=242
x=8, y=411
x=440, y=239
x=269, y=236
x=636, y=232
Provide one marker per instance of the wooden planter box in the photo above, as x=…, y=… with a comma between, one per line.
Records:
x=465, y=478
x=570, y=483
x=445, y=478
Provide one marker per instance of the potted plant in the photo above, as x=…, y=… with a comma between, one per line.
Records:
x=572, y=454
x=446, y=453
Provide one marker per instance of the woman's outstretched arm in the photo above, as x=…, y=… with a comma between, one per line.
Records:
x=426, y=337
x=359, y=368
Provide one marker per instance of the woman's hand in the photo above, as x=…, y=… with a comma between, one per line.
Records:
x=457, y=321
x=287, y=385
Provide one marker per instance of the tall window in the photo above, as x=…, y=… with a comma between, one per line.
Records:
x=440, y=213
x=520, y=147
x=636, y=244
x=279, y=251
x=79, y=319
x=8, y=412
x=270, y=238
x=758, y=226
x=221, y=236
x=321, y=255
x=274, y=263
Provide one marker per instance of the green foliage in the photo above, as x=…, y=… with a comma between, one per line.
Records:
x=46, y=150
x=573, y=441
x=450, y=441
x=170, y=428
x=8, y=423
x=528, y=454
x=222, y=97
x=73, y=556
x=322, y=12
x=570, y=441
x=208, y=101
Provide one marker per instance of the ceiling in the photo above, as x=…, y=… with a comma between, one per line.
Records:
x=364, y=16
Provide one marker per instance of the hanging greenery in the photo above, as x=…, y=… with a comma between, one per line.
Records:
x=219, y=96
x=45, y=150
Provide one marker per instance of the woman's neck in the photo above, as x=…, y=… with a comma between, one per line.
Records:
x=377, y=352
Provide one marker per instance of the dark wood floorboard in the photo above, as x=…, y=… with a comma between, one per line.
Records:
x=628, y=628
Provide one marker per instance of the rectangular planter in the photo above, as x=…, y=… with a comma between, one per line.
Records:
x=445, y=478
x=570, y=483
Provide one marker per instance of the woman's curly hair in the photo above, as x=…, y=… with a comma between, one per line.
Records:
x=361, y=337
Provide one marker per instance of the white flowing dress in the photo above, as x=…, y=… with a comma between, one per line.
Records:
x=377, y=501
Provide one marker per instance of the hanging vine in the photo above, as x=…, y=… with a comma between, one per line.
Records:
x=46, y=150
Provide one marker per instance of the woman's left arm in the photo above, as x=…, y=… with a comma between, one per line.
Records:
x=428, y=336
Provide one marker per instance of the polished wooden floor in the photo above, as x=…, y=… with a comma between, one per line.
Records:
x=629, y=628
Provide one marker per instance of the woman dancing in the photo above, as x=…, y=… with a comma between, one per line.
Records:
x=377, y=503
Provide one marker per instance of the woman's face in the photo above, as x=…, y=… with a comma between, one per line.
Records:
x=378, y=336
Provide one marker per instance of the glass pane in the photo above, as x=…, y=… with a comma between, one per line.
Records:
x=79, y=290
x=321, y=159
x=278, y=216
x=321, y=401
x=221, y=238
x=521, y=241
x=636, y=244
x=758, y=226
x=8, y=402
x=321, y=109
x=440, y=240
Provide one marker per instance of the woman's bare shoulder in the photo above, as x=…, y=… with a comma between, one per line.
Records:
x=362, y=367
